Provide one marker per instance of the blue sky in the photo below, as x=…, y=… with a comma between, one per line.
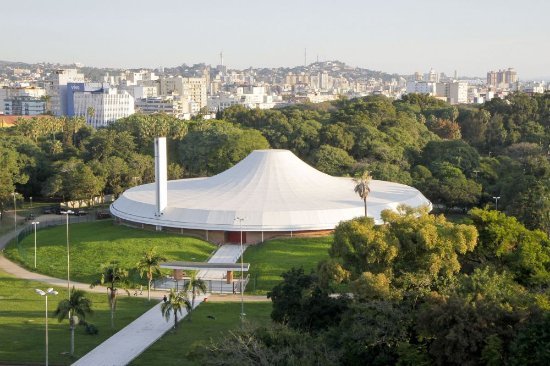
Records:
x=471, y=36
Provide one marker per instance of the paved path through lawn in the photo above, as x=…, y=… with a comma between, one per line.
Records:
x=228, y=253
x=132, y=340
x=135, y=338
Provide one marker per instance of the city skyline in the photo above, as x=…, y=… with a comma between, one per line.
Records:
x=396, y=37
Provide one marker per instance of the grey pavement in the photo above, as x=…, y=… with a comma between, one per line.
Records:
x=132, y=340
x=227, y=253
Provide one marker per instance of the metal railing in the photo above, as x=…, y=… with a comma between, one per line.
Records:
x=214, y=286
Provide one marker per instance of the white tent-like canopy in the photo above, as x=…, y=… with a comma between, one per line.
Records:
x=271, y=190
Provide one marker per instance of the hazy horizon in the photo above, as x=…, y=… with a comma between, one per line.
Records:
x=395, y=37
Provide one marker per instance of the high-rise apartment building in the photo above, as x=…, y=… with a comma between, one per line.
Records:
x=455, y=92
x=191, y=88
x=99, y=104
x=502, y=78
x=57, y=89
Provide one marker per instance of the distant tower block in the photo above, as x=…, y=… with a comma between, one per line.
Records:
x=161, y=175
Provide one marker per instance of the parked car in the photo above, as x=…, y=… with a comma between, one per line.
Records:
x=80, y=213
x=64, y=211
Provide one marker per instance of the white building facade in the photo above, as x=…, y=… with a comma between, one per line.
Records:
x=103, y=107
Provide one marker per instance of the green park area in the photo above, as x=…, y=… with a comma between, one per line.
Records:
x=93, y=244
x=209, y=321
x=96, y=243
x=270, y=259
x=22, y=323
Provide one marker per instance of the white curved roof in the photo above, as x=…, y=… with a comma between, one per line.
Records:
x=273, y=190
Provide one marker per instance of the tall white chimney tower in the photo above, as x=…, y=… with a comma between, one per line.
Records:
x=161, y=175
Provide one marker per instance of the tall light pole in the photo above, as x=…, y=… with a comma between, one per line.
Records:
x=496, y=201
x=15, y=216
x=49, y=291
x=241, y=219
x=34, y=223
x=68, y=258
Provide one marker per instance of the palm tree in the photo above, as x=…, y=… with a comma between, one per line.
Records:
x=362, y=187
x=75, y=308
x=115, y=277
x=149, y=265
x=196, y=286
x=175, y=303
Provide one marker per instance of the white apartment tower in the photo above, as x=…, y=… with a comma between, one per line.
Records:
x=103, y=107
x=57, y=89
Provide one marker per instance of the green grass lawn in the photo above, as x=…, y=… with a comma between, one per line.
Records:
x=268, y=260
x=173, y=347
x=22, y=323
x=95, y=243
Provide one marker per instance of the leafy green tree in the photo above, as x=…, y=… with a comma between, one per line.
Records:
x=114, y=277
x=372, y=331
x=331, y=273
x=274, y=345
x=149, y=265
x=411, y=241
x=333, y=161
x=212, y=147
x=177, y=301
x=299, y=302
x=444, y=128
x=476, y=321
x=362, y=246
x=506, y=243
x=76, y=308
x=531, y=346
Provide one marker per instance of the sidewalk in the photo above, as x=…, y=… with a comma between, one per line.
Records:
x=135, y=338
x=132, y=340
x=227, y=253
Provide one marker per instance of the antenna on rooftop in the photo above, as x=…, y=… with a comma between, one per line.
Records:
x=221, y=58
x=305, y=56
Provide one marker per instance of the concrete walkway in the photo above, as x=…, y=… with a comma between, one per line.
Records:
x=135, y=338
x=131, y=341
x=227, y=253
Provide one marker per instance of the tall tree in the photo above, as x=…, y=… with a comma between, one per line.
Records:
x=149, y=265
x=177, y=301
x=75, y=308
x=114, y=277
x=362, y=187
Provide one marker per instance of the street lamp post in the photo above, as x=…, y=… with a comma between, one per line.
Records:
x=49, y=291
x=241, y=219
x=31, y=202
x=68, y=258
x=496, y=201
x=15, y=216
x=34, y=223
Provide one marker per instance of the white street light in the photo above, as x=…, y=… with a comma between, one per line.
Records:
x=34, y=223
x=15, y=216
x=49, y=291
x=496, y=201
x=241, y=219
x=68, y=257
